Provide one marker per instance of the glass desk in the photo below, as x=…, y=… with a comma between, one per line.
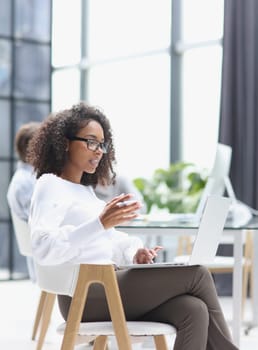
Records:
x=159, y=228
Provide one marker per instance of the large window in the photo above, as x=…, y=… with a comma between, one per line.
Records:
x=25, y=93
x=66, y=53
x=200, y=47
x=153, y=66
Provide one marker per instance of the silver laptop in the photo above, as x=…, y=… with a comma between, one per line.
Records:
x=208, y=235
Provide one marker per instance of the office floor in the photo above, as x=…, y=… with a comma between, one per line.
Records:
x=18, y=302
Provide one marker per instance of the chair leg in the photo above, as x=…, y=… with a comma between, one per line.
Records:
x=38, y=314
x=247, y=269
x=160, y=342
x=100, y=343
x=251, y=281
x=47, y=311
x=246, y=272
x=116, y=311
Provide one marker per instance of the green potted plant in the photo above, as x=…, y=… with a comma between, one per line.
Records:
x=176, y=189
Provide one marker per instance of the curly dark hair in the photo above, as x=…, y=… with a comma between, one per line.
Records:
x=48, y=148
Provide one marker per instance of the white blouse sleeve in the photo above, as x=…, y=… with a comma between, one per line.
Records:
x=125, y=247
x=55, y=242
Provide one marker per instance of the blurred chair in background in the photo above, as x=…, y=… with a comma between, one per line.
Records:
x=46, y=301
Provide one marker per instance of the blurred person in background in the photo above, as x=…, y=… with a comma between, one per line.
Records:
x=23, y=180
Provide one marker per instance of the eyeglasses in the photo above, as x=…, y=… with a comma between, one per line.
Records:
x=92, y=145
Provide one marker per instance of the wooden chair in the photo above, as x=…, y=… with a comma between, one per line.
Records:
x=184, y=246
x=75, y=281
x=22, y=234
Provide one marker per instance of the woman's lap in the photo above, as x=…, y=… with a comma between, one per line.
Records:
x=142, y=290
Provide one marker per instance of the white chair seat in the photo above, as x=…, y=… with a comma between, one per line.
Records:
x=219, y=261
x=135, y=328
x=223, y=262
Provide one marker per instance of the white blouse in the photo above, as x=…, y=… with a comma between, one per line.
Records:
x=65, y=226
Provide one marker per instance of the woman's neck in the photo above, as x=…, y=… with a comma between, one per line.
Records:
x=72, y=177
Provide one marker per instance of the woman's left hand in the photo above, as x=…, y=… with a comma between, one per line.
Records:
x=119, y=210
x=146, y=255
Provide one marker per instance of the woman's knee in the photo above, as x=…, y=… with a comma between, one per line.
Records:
x=188, y=310
x=197, y=310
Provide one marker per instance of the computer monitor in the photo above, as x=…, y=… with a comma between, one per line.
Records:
x=216, y=183
x=220, y=169
x=219, y=182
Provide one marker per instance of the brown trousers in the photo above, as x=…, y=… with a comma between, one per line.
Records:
x=183, y=296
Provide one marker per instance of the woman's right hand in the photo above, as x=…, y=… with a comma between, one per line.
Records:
x=119, y=210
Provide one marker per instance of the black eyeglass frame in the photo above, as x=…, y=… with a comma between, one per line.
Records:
x=103, y=146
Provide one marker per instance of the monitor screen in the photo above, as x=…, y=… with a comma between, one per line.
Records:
x=216, y=183
x=220, y=169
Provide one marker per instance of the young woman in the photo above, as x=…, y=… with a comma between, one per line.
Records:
x=72, y=152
